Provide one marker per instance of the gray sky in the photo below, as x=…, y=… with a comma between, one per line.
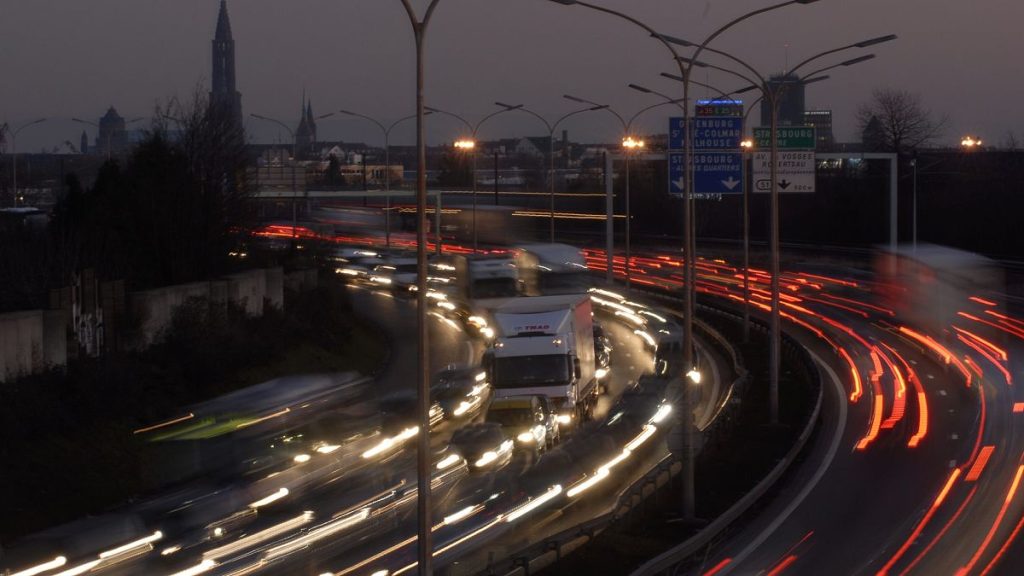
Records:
x=64, y=58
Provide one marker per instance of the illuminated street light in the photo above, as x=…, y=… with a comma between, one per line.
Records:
x=465, y=144
x=747, y=143
x=631, y=143
x=970, y=142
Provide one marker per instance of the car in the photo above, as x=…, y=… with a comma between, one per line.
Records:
x=355, y=264
x=528, y=419
x=460, y=390
x=485, y=446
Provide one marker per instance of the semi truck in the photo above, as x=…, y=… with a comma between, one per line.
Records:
x=549, y=269
x=486, y=276
x=544, y=346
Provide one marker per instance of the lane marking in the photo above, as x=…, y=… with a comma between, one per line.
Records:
x=837, y=438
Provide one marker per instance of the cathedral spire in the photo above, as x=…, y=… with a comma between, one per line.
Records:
x=223, y=23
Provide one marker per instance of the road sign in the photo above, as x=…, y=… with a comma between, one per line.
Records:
x=677, y=174
x=795, y=172
x=717, y=133
x=789, y=138
x=676, y=133
x=717, y=173
x=719, y=108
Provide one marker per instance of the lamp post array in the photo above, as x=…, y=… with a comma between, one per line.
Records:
x=14, y=157
x=386, y=131
x=295, y=162
x=469, y=145
x=551, y=126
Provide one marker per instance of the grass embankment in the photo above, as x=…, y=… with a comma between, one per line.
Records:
x=66, y=442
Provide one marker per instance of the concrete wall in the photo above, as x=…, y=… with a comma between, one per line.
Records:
x=34, y=340
x=30, y=342
x=301, y=280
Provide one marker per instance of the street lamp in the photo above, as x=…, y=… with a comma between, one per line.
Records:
x=387, y=165
x=14, y=156
x=688, y=233
x=295, y=160
x=469, y=144
x=772, y=96
x=970, y=142
x=551, y=147
x=423, y=513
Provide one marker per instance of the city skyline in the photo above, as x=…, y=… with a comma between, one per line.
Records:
x=342, y=62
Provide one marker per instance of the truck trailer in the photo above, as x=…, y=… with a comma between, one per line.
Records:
x=545, y=346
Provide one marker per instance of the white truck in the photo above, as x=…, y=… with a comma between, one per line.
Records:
x=545, y=347
x=486, y=276
x=548, y=269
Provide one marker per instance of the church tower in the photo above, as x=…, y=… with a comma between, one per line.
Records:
x=223, y=93
x=305, y=134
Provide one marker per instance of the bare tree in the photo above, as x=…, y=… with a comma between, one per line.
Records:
x=897, y=121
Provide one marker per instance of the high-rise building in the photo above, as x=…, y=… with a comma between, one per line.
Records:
x=305, y=134
x=224, y=94
x=790, y=100
x=83, y=144
x=822, y=122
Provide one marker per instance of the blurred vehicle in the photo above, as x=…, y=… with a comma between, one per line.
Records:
x=355, y=263
x=527, y=419
x=398, y=412
x=602, y=347
x=550, y=269
x=486, y=276
x=485, y=446
x=398, y=274
x=545, y=346
x=460, y=391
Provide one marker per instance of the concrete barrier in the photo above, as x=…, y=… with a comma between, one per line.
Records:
x=30, y=342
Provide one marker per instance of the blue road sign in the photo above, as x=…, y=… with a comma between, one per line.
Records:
x=676, y=133
x=717, y=172
x=717, y=133
x=676, y=174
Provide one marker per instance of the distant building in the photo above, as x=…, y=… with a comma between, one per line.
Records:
x=305, y=134
x=223, y=92
x=112, y=138
x=83, y=144
x=790, y=90
x=822, y=122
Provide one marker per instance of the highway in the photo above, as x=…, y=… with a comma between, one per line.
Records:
x=916, y=466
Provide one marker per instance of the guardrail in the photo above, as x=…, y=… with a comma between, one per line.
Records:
x=668, y=560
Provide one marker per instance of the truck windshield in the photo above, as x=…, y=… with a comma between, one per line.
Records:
x=521, y=371
x=495, y=288
x=564, y=282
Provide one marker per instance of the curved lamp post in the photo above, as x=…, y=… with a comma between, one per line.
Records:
x=689, y=249
x=551, y=126
x=14, y=156
x=387, y=165
x=470, y=145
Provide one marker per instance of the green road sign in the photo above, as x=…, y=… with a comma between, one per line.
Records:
x=789, y=138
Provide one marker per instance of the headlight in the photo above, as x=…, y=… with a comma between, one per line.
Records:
x=462, y=408
x=526, y=437
x=487, y=332
x=565, y=418
x=487, y=458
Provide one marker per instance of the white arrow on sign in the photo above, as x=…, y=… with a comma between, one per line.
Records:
x=730, y=183
x=679, y=184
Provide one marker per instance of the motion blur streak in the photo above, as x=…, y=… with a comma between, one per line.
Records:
x=979, y=464
x=322, y=531
x=718, y=567
x=1018, y=407
x=1004, y=324
x=920, y=525
x=786, y=563
x=534, y=504
x=162, y=424
x=980, y=300
x=876, y=424
x=258, y=537
x=989, y=357
x=78, y=570
x=941, y=533
x=995, y=349
x=204, y=566
x=281, y=493
x=995, y=525
x=55, y=563
x=899, y=393
x=1002, y=549
x=922, y=400
x=982, y=416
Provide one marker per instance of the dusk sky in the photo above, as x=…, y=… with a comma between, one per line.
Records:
x=65, y=58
